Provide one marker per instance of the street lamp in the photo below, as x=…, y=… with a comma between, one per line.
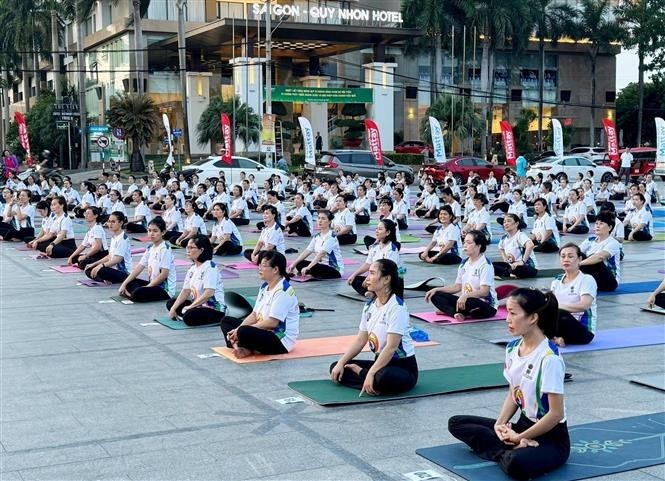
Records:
x=182, y=66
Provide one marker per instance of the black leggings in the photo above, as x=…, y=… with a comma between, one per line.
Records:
x=502, y=206
x=22, y=234
x=638, y=235
x=432, y=228
x=398, y=376
x=198, y=316
x=357, y=285
x=252, y=338
x=60, y=251
x=605, y=280
x=660, y=300
x=503, y=269
x=136, y=228
x=474, y=307
x=82, y=264
x=319, y=270
x=525, y=463
x=447, y=259
x=571, y=330
x=548, y=246
x=425, y=213
x=139, y=292
x=299, y=228
x=172, y=235
x=579, y=229
x=240, y=221
x=346, y=239
x=362, y=219
x=108, y=274
x=228, y=248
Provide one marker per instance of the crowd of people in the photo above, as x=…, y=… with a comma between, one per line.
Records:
x=206, y=219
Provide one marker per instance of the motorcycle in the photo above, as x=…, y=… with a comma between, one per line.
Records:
x=40, y=168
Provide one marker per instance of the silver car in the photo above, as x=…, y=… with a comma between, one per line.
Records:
x=334, y=163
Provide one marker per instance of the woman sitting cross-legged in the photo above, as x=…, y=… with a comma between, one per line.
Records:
x=474, y=282
x=344, y=223
x=444, y=246
x=298, y=220
x=201, y=301
x=544, y=234
x=538, y=442
x=602, y=254
x=327, y=262
x=639, y=223
x=384, y=324
x=116, y=266
x=193, y=225
x=59, y=242
x=273, y=325
x=94, y=241
x=271, y=237
x=225, y=238
x=516, y=249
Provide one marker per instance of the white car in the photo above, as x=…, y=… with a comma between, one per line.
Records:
x=211, y=166
x=595, y=154
x=571, y=166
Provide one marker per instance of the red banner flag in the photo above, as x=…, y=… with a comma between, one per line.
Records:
x=374, y=140
x=508, y=141
x=23, y=136
x=227, y=156
x=612, y=143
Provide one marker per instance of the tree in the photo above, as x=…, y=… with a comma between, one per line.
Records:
x=137, y=115
x=209, y=129
x=595, y=24
x=465, y=119
x=521, y=134
x=628, y=111
x=643, y=22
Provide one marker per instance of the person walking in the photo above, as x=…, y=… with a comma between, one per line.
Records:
x=626, y=162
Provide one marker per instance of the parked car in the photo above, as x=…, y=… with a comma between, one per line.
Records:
x=210, y=167
x=571, y=166
x=543, y=155
x=595, y=154
x=414, y=147
x=461, y=166
x=342, y=162
x=644, y=162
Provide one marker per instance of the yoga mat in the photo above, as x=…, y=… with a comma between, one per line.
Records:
x=241, y=266
x=597, y=449
x=412, y=250
x=541, y=273
x=137, y=250
x=244, y=291
x=426, y=284
x=654, y=309
x=613, y=339
x=430, y=383
x=655, y=380
x=434, y=318
x=228, y=274
x=91, y=283
x=66, y=269
x=122, y=300
x=632, y=288
x=144, y=238
x=182, y=263
x=316, y=347
x=178, y=325
x=308, y=278
x=409, y=239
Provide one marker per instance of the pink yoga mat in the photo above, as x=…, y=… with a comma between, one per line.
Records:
x=144, y=238
x=40, y=256
x=240, y=266
x=182, y=263
x=434, y=318
x=22, y=248
x=66, y=269
x=412, y=250
x=227, y=274
x=137, y=250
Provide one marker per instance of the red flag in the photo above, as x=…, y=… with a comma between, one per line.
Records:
x=508, y=141
x=227, y=156
x=23, y=135
x=612, y=143
x=374, y=140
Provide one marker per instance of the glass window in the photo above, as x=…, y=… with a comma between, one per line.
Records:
x=363, y=159
x=220, y=165
x=245, y=163
x=569, y=162
x=585, y=162
x=466, y=162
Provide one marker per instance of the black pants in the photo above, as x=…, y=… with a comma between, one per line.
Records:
x=135, y=228
x=228, y=248
x=60, y=251
x=139, y=292
x=240, y=221
x=362, y=219
x=425, y=214
x=502, y=269
x=579, y=229
x=78, y=212
x=398, y=376
x=502, y=206
x=346, y=239
x=82, y=264
x=571, y=330
x=525, y=463
x=660, y=300
x=108, y=274
x=253, y=338
x=319, y=270
x=605, y=280
x=171, y=236
x=432, y=228
x=21, y=234
x=474, y=307
x=591, y=218
x=617, y=196
x=299, y=228
x=198, y=316
x=446, y=259
x=401, y=223
x=548, y=246
x=248, y=254
x=357, y=285
x=638, y=235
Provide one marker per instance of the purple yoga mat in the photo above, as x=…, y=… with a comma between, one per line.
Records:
x=228, y=274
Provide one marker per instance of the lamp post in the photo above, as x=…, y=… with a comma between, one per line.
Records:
x=182, y=67
x=269, y=63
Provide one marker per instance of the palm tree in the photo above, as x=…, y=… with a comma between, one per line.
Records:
x=551, y=21
x=137, y=115
x=9, y=60
x=209, y=130
x=465, y=119
x=501, y=23
x=595, y=24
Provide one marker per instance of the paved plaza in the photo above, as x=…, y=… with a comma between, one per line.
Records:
x=94, y=390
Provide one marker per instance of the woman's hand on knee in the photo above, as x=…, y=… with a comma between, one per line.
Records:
x=337, y=373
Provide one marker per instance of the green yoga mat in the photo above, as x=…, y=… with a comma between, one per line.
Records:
x=430, y=383
x=410, y=239
x=244, y=291
x=179, y=325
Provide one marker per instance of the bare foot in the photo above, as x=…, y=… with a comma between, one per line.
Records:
x=459, y=317
x=355, y=368
x=559, y=341
x=241, y=352
x=440, y=313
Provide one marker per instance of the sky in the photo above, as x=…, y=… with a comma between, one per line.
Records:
x=626, y=70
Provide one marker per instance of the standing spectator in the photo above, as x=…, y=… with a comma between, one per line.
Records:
x=626, y=162
x=318, y=141
x=521, y=164
x=10, y=163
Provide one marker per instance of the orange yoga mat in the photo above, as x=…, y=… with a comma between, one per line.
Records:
x=320, y=346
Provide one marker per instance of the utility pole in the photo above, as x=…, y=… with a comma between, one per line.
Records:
x=269, y=64
x=83, y=111
x=182, y=66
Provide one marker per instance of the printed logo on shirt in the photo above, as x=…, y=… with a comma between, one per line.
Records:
x=518, y=395
x=373, y=342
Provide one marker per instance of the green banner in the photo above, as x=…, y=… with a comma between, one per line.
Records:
x=288, y=93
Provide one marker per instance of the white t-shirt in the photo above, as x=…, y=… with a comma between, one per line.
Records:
x=626, y=160
x=143, y=210
x=457, y=209
x=573, y=211
x=515, y=246
x=571, y=293
x=173, y=217
x=345, y=218
x=330, y=246
x=280, y=303
x=71, y=196
x=222, y=198
x=62, y=223
x=240, y=205
x=361, y=206
x=29, y=211
x=390, y=318
x=121, y=247
x=431, y=201
x=157, y=257
x=478, y=218
x=519, y=209
x=533, y=376
x=402, y=208
x=195, y=221
x=94, y=233
x=542, y=224
x=206, y=276
x=105, y=204
x=87, y=200
x=642, y=216
x=473, y=275
x=592, y=246
x=443, y=235
x=304, y=214
x=385, y=251
x=273, y=236
x=227, y=227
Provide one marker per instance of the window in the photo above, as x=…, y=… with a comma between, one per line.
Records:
x=220, y=165
x=569, y=162
x=363, y=159
x=482, y=163
x=585, y=162
x=465, y=162
x=244, y=163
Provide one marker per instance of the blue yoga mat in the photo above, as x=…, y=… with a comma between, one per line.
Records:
x=597, y=449
x=632, y=288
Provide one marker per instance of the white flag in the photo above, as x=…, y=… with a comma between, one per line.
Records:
x=308, y=139
x=437, y=140
x=660, y=139
x=557, y=138
x=167, y=126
